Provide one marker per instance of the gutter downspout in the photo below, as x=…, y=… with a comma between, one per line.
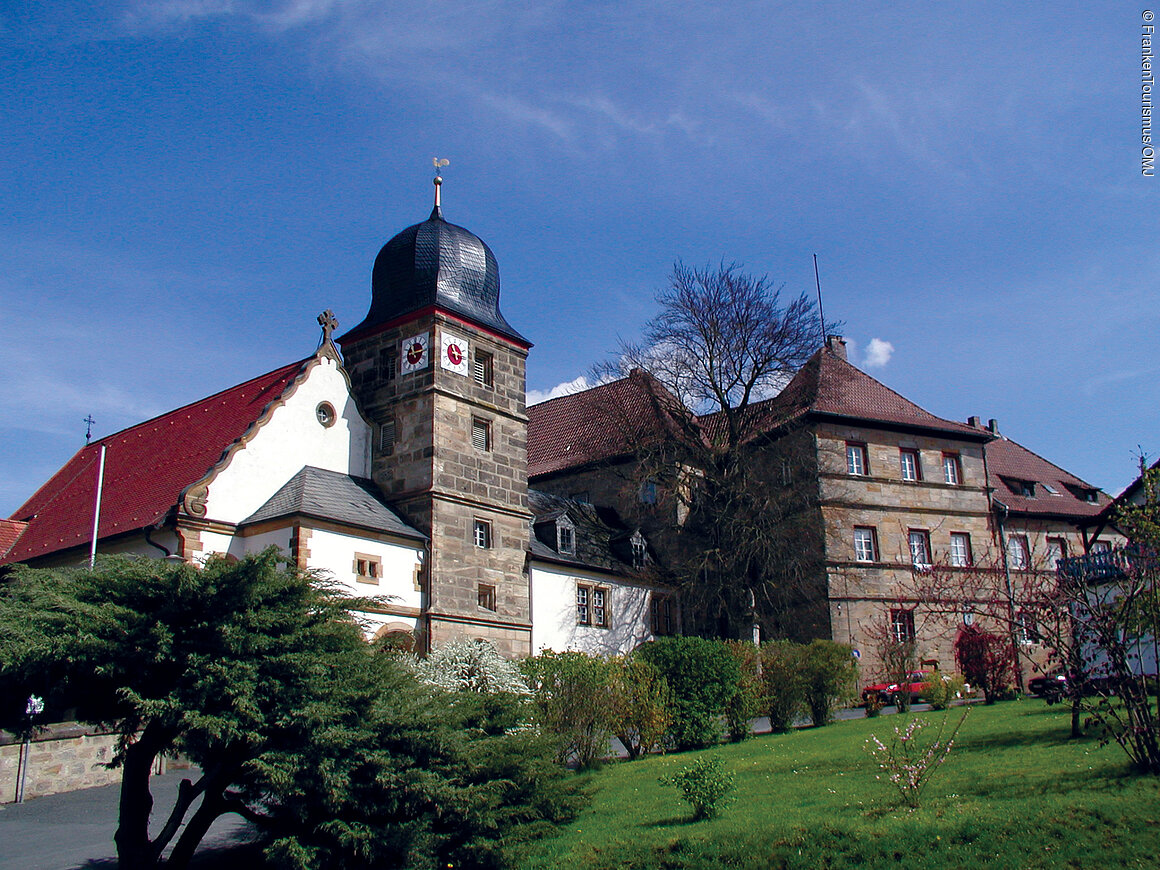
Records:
x=97, y=507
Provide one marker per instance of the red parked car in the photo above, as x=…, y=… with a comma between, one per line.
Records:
x=889, y=693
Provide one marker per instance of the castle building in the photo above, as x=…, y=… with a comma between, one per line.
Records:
x=401, y=466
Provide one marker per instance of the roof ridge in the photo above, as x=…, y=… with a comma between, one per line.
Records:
x=838, y=359
x=1048, y=462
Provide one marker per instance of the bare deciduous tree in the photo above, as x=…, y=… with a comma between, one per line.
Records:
x=744, y=538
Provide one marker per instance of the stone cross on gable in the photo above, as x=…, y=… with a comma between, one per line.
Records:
x=329, y=324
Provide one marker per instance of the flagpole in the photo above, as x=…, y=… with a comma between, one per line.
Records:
x=97, y=506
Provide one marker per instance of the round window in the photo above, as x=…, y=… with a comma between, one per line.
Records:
x=325, y=414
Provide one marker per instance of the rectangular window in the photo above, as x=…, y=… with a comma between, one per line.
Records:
x=902, y=626
x=387, y=437
x=865, y=544
x=961, y=550
x=591, y=605
x=480, y=434
x=367, y=568
x=1026, y=629
x=648, y=492
x=911, y=468
x=484, y=368
x=952, y=469
x=565, y=539
x=487, y=597
x=919, y=541
x=639, y=551
x=390, y=362
x=856, y=459
x=1101, y=547
x=481, y=534
x=1056, y=550
x=661, y=607
x=1018, y=553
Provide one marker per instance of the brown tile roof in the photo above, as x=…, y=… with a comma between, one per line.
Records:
x=828, y=384
x=146, y=468
x=603, y=423
x=1009, y=463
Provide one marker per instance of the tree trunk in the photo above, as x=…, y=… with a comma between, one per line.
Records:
x=134, y=849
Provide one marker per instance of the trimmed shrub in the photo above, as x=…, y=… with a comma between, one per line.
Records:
x=784, y=681
x=749, y=698
x=702, y=676
x=705, y=785
x=940, y=689
x=641, y=705
x=831, y=674
x=573, y=693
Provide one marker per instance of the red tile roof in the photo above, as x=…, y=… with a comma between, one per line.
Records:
x=10, y=532
x=1008, y=461
x=146, y=468
x=599, y=424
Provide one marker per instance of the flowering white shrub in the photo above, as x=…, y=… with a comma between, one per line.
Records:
x=907, y=762
x=470, y=666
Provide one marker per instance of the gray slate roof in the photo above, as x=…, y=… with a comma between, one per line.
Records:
x=329, y=495
x=601, y=539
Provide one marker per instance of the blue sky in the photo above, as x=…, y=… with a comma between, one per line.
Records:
x=186, y=184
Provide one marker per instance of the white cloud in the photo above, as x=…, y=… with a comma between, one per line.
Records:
x=878, y=353
x=576, y=385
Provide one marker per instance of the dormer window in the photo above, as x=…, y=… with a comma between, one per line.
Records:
x=565, y=536
x=639, y=551
x=1025, y=488
x=1083, y=493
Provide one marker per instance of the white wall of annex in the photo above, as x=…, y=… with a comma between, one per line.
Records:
x=290, y=439
x=334, y=552
x=554, y=623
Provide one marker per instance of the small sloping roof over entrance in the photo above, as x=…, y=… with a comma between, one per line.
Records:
x=331, y=495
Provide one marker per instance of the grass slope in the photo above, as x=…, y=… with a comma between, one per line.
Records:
x=1015, y=792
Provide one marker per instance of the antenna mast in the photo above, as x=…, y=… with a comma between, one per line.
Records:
x=821, y=314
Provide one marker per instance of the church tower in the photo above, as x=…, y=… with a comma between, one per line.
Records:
x=440, y=374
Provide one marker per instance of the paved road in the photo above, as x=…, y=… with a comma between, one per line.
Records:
x=75, y=830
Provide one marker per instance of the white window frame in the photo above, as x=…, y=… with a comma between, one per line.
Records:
x=857, y=459
x=961, y=556
x=481, y=534
x=918, y=540
x=902, y=625
x=910, y=464
x=1018, y=552
x=952, y=469
x=865, y=544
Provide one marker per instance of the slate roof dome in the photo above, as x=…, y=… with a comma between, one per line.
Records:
x=441, y=264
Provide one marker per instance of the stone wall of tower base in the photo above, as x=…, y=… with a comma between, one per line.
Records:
x=512, y=642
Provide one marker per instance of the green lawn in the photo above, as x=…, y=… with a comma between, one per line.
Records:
x=1016, y=792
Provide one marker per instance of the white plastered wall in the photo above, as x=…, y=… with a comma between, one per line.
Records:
x=334, y=553
x=554, y=624
x=291, y=439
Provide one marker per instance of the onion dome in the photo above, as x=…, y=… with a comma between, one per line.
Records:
x=439, y=264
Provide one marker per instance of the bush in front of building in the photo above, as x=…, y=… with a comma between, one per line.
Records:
x=642, y=705
x=784, y=681
x=831, y=676
x=703, y=677
x=748, y=700
x=940, y=689
x=573, y=693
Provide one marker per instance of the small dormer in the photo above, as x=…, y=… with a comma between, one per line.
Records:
x=565, y=536
x=1019, y=486
x=639, y=549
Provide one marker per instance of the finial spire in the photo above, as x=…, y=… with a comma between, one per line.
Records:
x=329, y=324
x=88, y=421
x=439, y=163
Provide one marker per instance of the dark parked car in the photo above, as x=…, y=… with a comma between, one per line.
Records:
x=889, y=693
x=1050, y=687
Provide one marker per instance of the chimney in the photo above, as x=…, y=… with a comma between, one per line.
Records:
x=993, y=426
x=974, y=422
x=837, y=345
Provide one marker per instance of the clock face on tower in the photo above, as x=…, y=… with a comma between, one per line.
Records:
x=454, y=355
x=414, y=353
